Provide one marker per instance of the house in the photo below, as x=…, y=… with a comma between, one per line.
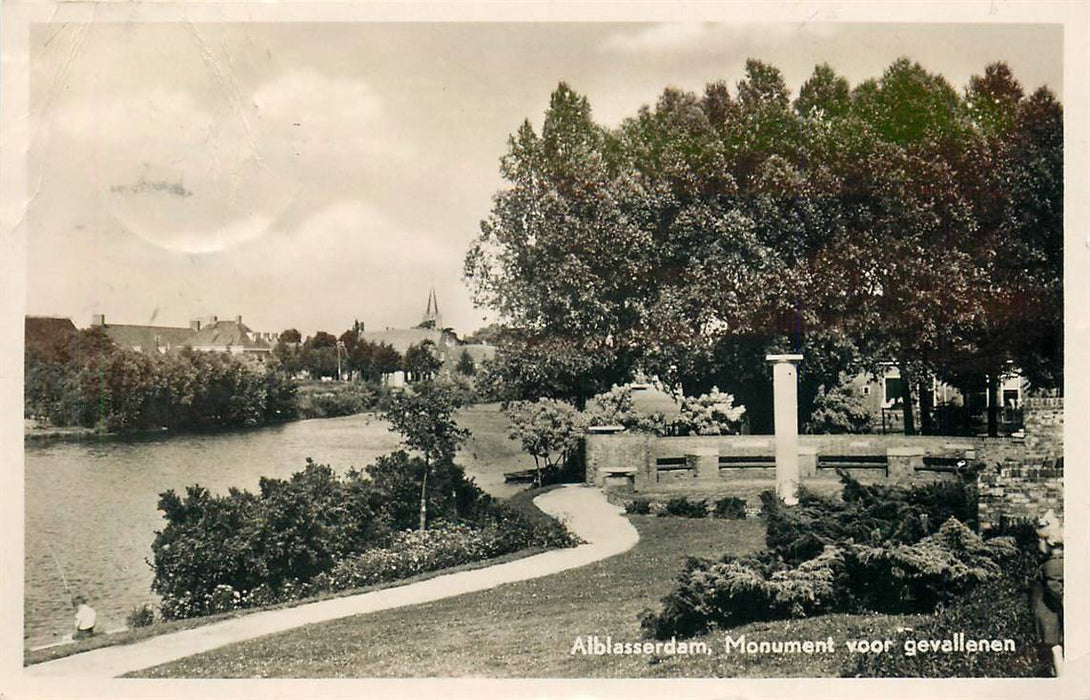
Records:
x=206, y=335
x=144, y=338
x=43, y=335
x=235, y=337
x=884, y=398
x=430, y=329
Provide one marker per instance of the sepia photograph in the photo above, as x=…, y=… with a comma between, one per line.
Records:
x=559, y=347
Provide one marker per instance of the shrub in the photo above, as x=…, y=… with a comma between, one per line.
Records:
x=845, y=577
x=713, y=413
x=638, y=506
x=399, y=477
x=548, y=431
x=841, y=409
x=733, y=591
x=730, y=508
x=997, y=609
x=615, y=407
x=329, y=399
x=684, y=508
x=873, y=514
x=221, y=553
x=291, y=529
x=415, y=552
x=140, y=616
x=935, y=570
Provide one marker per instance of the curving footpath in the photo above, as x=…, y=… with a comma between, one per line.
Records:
x=584, y=510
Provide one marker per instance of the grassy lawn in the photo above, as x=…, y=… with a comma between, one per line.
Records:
x=489, y=452
x=527, y=629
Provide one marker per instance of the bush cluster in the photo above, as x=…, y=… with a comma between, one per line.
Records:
x=330, y=399
x=876, y=550
x=730, y=508
x=996, y=609
x=405, y=554
x=727, y=508
x=734, y=591
x=846, y=577
x=243, y=549
x=140, y=616
x=713, y=413
x=683, y=507
x=865, y=514
x=416, y=552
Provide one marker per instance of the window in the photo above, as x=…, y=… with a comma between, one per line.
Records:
x=894, y=390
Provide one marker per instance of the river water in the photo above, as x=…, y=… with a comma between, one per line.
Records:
x=91, y=507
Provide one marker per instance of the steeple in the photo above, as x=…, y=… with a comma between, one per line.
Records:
x=432, y=318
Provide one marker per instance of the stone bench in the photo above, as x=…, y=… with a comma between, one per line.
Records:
x=854, y=462
x=944, y=465
x=747, y=462
x=665, y=464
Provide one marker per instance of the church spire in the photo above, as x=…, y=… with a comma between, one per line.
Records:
x=432, y=318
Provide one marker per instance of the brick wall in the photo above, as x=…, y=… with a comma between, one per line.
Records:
x=1024, y=484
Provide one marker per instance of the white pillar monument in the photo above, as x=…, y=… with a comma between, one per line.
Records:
x=785, y=395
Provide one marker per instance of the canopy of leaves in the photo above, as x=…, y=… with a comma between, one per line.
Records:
x=899, y=220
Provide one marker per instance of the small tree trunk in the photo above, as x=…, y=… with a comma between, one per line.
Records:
x=927, y=403
x=424, y=499
x=906, y=398
x=993, y=405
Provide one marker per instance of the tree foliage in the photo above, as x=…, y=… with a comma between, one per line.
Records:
x=548, y=430
x=423, y=413
x=100, y=385
x=897, y=220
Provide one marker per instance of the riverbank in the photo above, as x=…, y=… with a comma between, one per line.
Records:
x=586, y=511
x=34, y=430
x=102, y=553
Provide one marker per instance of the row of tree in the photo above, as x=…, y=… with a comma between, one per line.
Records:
x=897, y=221
x=94, y=383
x=325, y=355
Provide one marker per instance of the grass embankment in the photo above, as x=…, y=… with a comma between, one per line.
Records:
x=527, y=629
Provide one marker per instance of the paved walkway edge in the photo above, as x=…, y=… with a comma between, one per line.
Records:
x=584, y=510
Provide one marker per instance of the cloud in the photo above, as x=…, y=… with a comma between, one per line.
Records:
x=238, y=162
x=658, y=38
x=357, y=234
x=713, y=39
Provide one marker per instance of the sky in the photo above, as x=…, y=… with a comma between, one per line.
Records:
x=308, y=175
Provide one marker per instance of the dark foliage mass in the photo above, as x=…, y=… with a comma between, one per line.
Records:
x=318, y=531
x=686, y=508
x=993, y=610
x=898, y=220
x=881, y=549
x=95, y=384
x=872, y=513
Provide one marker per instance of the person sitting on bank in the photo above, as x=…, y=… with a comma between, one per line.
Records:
x=85, y=618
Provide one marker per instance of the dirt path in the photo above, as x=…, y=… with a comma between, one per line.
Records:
x=584, y=510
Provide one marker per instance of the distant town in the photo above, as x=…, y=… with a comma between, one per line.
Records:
x=331, y=357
